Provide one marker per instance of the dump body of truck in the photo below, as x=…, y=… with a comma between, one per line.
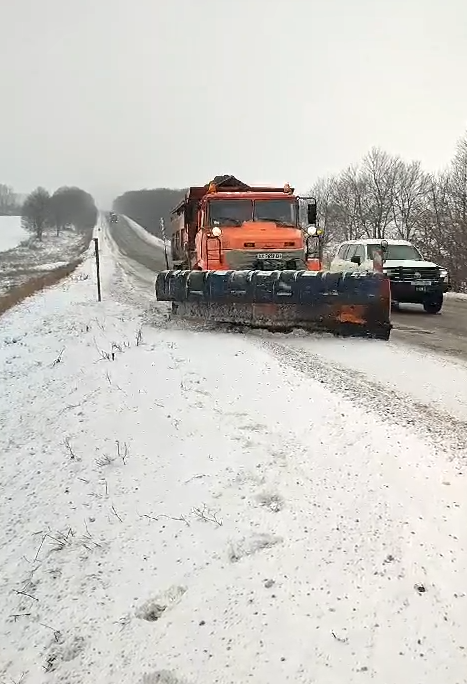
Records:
x=252, y=256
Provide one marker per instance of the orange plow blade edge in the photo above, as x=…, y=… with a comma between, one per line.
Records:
x=355, y=304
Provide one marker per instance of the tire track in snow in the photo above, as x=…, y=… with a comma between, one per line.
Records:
x=447, y=432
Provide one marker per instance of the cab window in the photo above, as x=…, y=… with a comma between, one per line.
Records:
x=342, y=250
x=350, y=253
x=360, y=252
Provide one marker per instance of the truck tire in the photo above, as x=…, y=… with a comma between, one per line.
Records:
x=433, y=305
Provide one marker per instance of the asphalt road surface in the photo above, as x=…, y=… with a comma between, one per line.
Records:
x=134, y=247
x=445, y=332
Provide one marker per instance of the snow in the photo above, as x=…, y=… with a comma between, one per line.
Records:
x=50, y=267
x=11, y=232
x=423, y=377
x=456, y=295
x=152, y=240
x=24, y=261
x=183, y=507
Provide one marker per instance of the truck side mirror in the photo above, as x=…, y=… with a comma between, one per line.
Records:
x=311, y=214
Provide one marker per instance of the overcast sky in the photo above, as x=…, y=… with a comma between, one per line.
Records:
x=114, y=95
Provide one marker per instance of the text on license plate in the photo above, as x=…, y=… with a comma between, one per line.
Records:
x=423, y=283
x=270, y=256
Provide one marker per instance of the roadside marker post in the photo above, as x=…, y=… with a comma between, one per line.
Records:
x=164, y=237
x=98, y=268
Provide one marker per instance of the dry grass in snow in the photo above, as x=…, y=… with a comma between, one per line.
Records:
x=34, y=259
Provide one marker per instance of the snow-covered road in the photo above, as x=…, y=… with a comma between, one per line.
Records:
x=11, y=232
x=191, y=507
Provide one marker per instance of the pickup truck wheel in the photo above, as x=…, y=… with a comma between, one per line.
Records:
x=434, y=305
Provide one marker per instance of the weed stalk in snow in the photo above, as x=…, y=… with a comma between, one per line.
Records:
x=207, y=515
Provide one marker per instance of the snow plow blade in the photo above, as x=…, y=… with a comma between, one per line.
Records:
x=355, y=304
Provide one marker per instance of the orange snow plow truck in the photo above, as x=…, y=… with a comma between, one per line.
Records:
x=252, y=256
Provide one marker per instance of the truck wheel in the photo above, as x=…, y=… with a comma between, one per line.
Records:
x=434, y=305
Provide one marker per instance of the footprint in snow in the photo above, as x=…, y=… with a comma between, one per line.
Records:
x=270, y=500
x=247, y=547
x=153, y=609
x=63, y=650
x=251, y=478
x=161, y=677
x=253, y=427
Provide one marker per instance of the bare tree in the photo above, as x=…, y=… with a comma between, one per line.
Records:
x=322, y=190
x=409, y=199
x=8, y=201
x=59, y=209
x=378, y=177
x=350, y=196
x=72, y=206
x=36, y=211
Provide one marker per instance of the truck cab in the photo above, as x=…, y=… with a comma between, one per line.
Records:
x=228, y=225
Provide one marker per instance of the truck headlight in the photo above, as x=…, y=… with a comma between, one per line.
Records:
x=216, y=231
x=443, y=273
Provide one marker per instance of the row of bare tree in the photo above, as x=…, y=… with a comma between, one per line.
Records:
x=386, y=197
x=68, y=206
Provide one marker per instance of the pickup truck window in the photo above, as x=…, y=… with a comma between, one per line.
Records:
x=397, y=253
x=341, y=252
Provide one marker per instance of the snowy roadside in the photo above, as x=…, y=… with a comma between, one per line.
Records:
x=456, y=295
x=180, y=507
x=422, y=377
x=151, y=239
x=32, y=258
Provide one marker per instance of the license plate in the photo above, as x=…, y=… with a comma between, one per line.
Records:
x=423, y=283
x=270, y=256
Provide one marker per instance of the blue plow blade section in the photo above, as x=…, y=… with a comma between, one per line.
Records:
x=346, y=304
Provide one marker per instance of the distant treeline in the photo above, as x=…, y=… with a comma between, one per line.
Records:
x=147, y=207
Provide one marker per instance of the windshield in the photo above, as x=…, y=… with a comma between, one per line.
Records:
x=397, y=253
x=280, y=211
x=237, y=211
x=233, y=212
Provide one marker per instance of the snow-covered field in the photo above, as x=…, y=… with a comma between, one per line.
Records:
x=32, y=257
x=11, y=232
x=187, y=507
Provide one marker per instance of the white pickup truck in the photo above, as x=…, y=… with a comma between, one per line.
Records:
x=413, y=280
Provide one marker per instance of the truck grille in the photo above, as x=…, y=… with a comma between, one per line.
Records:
x=405, y=274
